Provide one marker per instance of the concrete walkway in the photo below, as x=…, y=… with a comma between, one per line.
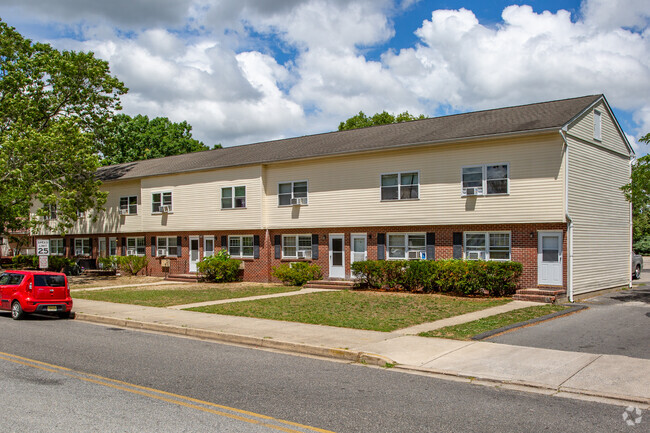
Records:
x=616, y=379
x=249, y=298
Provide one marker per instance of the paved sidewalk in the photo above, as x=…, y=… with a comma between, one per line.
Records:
x=621, y=379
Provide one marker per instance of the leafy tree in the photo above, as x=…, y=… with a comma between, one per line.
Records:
x=637, y=192
x=384, y=118
x=138, y=138
x=53, y=106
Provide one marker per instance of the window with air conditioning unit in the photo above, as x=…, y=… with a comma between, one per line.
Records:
x=475, y=255
x=292, y=193
x=79, y=252
x=162, y=251
x=131, y=252
x=165, y=209
x=487, y=245
x=414, y=255
x=304, y=254
x=300, y=201
x=124, y=211
x=472, y=191
x=161, y=202
x=485, y=179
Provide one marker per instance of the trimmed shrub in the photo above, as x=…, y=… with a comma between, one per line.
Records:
x=109, y=262
x=61, y=264
x=22, y=262
x=132, y=264
x=369, y=273
x=297, y=274
x=219, y=268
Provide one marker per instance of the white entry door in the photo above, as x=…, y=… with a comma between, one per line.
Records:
x=549, y=258
x=194, y=252
x=359, y=247
x=337, y=256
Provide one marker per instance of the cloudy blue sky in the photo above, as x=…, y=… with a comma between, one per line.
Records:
x=242, y=71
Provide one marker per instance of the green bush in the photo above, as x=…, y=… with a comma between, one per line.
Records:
x=21, y=262
x=132, y=264
x=462, y=277
x=61, y=264
x=297, y=274
x=219, y=268
x=109, y=262
x=642, y=246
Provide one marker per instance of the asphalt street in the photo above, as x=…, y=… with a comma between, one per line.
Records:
x=313, y=392
x=615, y=323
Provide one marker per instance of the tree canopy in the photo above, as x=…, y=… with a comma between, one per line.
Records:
x=637, y=193
x=53, y=107
x=137, y=138
x=384, y=118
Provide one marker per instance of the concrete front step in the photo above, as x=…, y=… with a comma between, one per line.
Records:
x=548, y=295
x=329, y=284
x=545, y=292
x=194, y=278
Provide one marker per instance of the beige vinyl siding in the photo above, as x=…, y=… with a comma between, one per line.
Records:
x=345, y=191
x=601, y=216
x=196, y=200
x=583, y=128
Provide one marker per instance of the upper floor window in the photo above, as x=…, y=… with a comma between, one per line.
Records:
x=167, y=246
x=129, y=205
x=296, y=246
x=50, y=212
x=487, y=179
x=400, y=186
x=407, y=246
x=82, y=247
x=487, y=246
x=292, y=193
x=240, y=246
x=135, y=246
x=597, y=125
x=57, y=247
x=161, y=202
x=233, y=197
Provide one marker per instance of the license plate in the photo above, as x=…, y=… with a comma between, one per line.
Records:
x=52, y=308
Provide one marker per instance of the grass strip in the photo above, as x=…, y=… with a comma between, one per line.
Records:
x=180, y=295
x=359, y=310
x=465, y=331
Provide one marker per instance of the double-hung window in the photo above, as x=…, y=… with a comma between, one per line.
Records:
x=208, y=246
x=487, y=179
x=167, y=246
x=233, y=197
x=82, y=247
x=112, y=246
x=129, y=205
x=161, y=202
x=487, y=246
x=57, y=248
x=50, y=212
x=406, y=246
x=290, y=193
x=135, y=246
x=296, y=246
x=240, y=246
x=400, y=186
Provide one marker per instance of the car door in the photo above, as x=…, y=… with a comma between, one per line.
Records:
x=4, y=296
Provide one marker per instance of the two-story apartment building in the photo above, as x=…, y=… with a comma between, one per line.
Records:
x=538, y=184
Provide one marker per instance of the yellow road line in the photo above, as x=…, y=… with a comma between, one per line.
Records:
x=151, y=393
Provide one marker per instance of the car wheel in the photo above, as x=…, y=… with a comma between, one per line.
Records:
x=17, y=312
x=637, y=272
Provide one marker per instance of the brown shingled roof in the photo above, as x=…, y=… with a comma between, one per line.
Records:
x=523, y=118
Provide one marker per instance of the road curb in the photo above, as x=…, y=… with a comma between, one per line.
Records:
x=267, y=343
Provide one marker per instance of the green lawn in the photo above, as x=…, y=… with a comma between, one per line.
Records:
x=360, y=310
x=181, y=294
x=465, y=331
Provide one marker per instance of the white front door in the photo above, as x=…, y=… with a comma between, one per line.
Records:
x=359, y=247
x=549, y=258
x=337, y=256
x=194, y=252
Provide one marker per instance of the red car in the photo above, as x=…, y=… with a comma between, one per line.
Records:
x=25, y=292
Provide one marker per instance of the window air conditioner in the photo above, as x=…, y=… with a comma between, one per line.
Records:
x=475, y=255
x=165, y=208
x=414, y=255
x=473, y=191
x=79, y=252
x=304, y=254
x=131, y=252
x=162, y=252
x=295, y=201
x=124, y=211
x=302, y=200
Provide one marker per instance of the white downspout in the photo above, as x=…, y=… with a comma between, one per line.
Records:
x=569, y=220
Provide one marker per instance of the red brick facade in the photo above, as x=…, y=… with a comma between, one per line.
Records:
x=523, y=239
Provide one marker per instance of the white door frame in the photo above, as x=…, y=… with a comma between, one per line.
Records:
x=560, y=264
x=354, y=236
x=198, y=252
x=336, y=271
x=205, y=241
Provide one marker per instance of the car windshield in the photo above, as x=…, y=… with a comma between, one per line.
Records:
x=49, y=280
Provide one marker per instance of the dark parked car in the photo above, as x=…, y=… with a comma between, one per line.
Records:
x=637, y=266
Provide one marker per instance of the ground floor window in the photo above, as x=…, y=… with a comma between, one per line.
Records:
x=135, y=246
x=57, y=247
x=167, y=246
x=82, y=247
x=112, y=246
x=407, y=246
x=487, y=246
x=208, y=246
x=296, y=246
x=240, y=246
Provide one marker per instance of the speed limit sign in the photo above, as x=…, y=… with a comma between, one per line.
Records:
x=42, y=247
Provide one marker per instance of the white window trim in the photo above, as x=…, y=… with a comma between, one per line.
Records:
x=205, y=242
x=52, y=253
x=161, y=201
x=598, y=125
x=292, y=182
x=166, y=247
x=484, y=179
x=241, y=246
x=83, y=247
x=406, y=245
x=297, y=244
x=487, y=244
x=399, y=185
x=232, y=198
x=128, y=206
x=51, y=213
x=136, y=246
